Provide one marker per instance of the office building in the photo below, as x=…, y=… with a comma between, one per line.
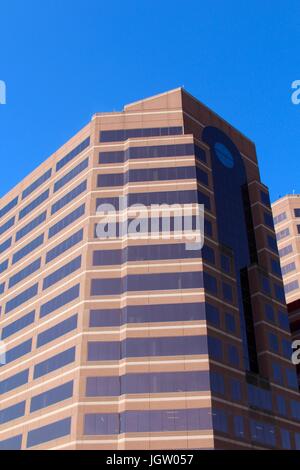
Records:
x=120, y=343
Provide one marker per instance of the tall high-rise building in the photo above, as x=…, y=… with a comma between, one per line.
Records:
x=286, y=212
x=141, y=343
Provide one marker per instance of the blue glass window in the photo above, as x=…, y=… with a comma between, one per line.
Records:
x=55, y=362
x=273, y=342
x=281, y=405
x=29, y=248
x=217, y=383
x=7, y=225
x=3, y=266
x=12, y=412
x=212, y=315
x=69, y=197
x=71, y=175
x=34, y=204
x=62, y=272
x=17, y=325
x=57, y=331
x=285, y=439
x=18, y=351
x=230, y=323
x=14, y=381
x=31, y=225
x=8, y=207
x=48, y=398
x=13, y=443
x=265, y=198
x=64, y=246
x=215, y=348
x=76, y=151
x=25, y=272
x=124, y=134
x=238, y=424
x=66, y=221
x=37, y=183
x=224, y=155
x=49, y=432
x=21, y=298
x=269, y=313
x=62, y=299
x=5, y=245
x=279, y=218
x=220, y=422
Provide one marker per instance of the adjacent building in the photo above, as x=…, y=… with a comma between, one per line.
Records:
x=286, y=212
x=121, y=343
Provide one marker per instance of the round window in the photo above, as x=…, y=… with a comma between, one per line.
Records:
x=224, y=155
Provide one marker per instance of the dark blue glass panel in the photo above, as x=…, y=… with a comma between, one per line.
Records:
x=55, y=395
x=36, y=184
x=49, y=432
x=34, y=204
x=62, y=272
x=31, y=225
x=21, y=298
x=68, y=220
x=55, y=362
x=7, y=225
x=5, y=245
x=124, y=134
x=64, y=246
x=62, y=299
x=57, y=331
x=13, y=443
x=14, y=381
x=18, y=351
x=72, y=174
x=30, y=247
x=17, y=325
x=147, y=314
x=76, y=151
x=12, y=412
x=25, y=272
x=69, y=197
x=9, y=206
x=3, y=266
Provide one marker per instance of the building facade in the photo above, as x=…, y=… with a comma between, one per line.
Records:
x=286, y=212
x=120, y=343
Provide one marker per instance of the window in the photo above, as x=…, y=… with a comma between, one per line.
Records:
x=208, y=254
x=282, y=234
x=285, y=439
x=64, y=246
x=273, y=342
x=57, y=331
x=265, y=285
x=31, y=225
x=220, y=420
x=210, y=283
x=279, y=293
x=12, y=412
x=36, y=184
x=21, y=298
x=14, y=381
x=291, y=377
x=59, y=301
x=295, y=409
x=224, y=155
x=18, y=351
x=62, y=272
x=71, y=175
x=5, y=245
x=275, y=267
x=272, y=243
x=285, y=251
x=55, y=362
x=225, y=263
x=49, y=432
x=13, y=443
x=297, y=212
x=277, y=373
x=263, y=433
x=34, y=204
x=8, y=207
x=298, y=228
x=212, y=315
x=288, y=268
x=66, y=221
x=227, y=292
x=69, y=197
x=17, y=325
x=281, y=405
x=259, y=397
x=233, y=356
x=297, y=441
x=25, y=272
x=217, y=383
x=291, y=286
x=202, y=176
x=3, y=266
x=124, y=134
x=268, y=220
x=29, y=248
x=230, y=323
x=279, y=218
x=238, y=423
x=265, y=198
x=76, y=151
x=287, y=348
x=269, y=313
x=284, y=322
x=7, y=225
x=55, y=395
x=215, y=348
x=236, y=390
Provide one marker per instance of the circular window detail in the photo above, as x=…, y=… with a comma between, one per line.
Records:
x=224, y=155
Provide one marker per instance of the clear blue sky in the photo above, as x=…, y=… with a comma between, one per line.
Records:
x=63, y=60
